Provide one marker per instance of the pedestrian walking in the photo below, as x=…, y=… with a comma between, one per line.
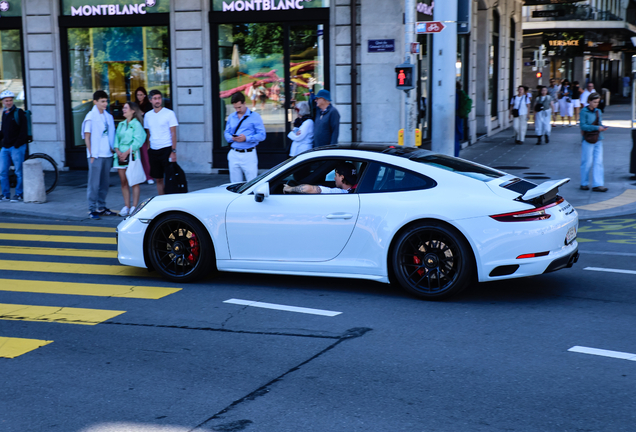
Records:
x=519, y=109
x=327, y=123
x=161, y=128
x=98, y=131
x=144, y=104
x=592, y=145
x=553, y=92
x=14, y=136
x=543, y=115
x=244, y=130
x=129, y=139
x=589, y=89
x=566, y=106
x=576, y=100
x=302, y=135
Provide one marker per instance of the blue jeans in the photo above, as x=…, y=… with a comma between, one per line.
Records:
x=6, y=156
x=592, y=157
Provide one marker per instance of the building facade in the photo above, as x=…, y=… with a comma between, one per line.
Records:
x=581, y=41
x=56, y=53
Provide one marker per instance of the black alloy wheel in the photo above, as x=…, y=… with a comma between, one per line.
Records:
x=180, y=248
x=432, y=261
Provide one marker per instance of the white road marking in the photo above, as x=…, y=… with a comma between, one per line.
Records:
x=282, y=307
x=609, y=270
x=604, y=353
x=608, y=253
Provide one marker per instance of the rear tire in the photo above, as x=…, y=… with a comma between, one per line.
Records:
x=432, y=261
x=179, y=248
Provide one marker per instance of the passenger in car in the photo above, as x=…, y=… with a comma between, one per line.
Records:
x=346, y=182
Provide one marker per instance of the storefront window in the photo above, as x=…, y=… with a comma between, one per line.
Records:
x=113, y=7
x=266, y=5
x=11, y=65
x=117, y=60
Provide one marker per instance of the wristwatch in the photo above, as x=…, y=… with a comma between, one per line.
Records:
x=174, y=150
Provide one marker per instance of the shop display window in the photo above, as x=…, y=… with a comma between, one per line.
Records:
x=11, y=77
x=113, y=7
x=117, y=60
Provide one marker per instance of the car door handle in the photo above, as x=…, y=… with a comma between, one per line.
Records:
x=339, y=216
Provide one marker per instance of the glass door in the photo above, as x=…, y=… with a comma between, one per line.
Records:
x=274, y=65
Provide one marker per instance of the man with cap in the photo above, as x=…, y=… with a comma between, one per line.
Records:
x=327, y=124
x=14, y=135
x=346, y=182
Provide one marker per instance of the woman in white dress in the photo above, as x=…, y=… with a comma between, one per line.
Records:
x=302, y=135
x=566, y=106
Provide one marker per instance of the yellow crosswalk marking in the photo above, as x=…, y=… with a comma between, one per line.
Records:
x=84, y=289
x=38, y=227
x=67, y=315
x=89, y=253
x=91, y=269
x=58, y=239
x=627, y=197
x=14, y=347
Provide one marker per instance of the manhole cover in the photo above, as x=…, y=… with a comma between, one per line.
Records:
x=536, y=177
x=510, y=167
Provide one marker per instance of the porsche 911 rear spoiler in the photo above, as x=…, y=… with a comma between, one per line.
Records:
x=544, y=193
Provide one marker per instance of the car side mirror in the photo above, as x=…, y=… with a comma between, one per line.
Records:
x=261, y=192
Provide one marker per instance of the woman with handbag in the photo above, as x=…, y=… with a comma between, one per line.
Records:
x=129, y=138
x=566, y=106
x=592, y=145
x=519, y=108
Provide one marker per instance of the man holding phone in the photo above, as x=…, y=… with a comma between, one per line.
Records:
x=244, y=131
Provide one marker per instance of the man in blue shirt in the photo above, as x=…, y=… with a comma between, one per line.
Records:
x=327, y=123
x=244, y=131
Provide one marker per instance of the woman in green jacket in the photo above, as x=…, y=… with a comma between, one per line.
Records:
x=129, y=138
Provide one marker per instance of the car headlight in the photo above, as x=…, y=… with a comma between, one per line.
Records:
x=143, y=204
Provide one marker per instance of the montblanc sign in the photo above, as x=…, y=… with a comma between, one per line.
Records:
x=261, y=5
x=88, y=10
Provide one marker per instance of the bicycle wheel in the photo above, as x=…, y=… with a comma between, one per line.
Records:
x=49, y=168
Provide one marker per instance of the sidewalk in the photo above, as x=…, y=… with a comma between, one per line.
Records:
x=557, y=160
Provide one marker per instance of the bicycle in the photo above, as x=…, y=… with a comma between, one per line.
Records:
x=49, y=169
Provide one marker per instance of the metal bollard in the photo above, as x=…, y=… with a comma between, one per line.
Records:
x=33, y=181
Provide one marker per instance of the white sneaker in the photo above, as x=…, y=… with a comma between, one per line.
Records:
x=132, y=210
x=125, y=211
x=151, y=181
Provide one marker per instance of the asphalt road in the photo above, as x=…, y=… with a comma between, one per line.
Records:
x=496, y=358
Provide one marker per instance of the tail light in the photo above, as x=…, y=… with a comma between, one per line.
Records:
x=534, y=214
x=533, y=255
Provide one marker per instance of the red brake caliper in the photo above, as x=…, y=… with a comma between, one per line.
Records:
x=418, y=261
x=194, y=248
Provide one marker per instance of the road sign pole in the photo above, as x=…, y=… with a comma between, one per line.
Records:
x=444, y=79
x=410, y=97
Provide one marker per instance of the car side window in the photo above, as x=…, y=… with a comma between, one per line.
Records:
x=381, y=178
x=315, y=172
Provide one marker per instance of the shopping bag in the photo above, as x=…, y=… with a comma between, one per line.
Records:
x=135, y=172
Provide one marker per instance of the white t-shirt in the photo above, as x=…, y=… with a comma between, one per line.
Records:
x=159, y=124
x=520, y=103
x=326, y=190
x=101, y=147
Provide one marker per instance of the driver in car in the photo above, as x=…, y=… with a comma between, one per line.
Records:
x=346, y=182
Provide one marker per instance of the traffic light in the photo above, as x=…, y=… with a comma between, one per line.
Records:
x=404, y=76
x=539, y=74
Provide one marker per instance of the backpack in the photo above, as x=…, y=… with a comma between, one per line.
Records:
x=465, y=105
x=175, y=179
x=27, y=113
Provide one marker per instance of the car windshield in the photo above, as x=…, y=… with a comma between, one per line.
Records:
x=242, y=187
x=458, y=166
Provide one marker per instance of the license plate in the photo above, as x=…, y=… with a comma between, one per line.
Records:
x=571, y=235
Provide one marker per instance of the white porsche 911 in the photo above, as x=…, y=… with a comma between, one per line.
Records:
x=428, y=222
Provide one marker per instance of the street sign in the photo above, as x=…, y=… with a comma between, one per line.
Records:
x=381, y=45
x=426, y=27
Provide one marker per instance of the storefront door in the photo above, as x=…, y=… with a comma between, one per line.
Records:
x=275, y=65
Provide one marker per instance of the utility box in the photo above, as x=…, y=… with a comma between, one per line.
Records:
x=404, y=75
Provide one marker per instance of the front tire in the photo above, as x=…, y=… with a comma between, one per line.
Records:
x=432, y=261
x=179, y=248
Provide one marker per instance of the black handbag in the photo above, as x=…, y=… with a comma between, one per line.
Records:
x=175, y=179
x=538, y=107
x=515, y=112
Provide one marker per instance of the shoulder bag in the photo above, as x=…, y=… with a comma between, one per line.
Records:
x=135, y=173
x=515, y=111
x=592, y=137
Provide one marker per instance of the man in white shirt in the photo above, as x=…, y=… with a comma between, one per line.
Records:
x=346, y=182
x=161, y=127
x=98, y=131
x=588, y=91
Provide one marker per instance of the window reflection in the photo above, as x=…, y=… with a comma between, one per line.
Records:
x=11, y=65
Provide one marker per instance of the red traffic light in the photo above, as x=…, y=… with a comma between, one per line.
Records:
x=539, y=74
